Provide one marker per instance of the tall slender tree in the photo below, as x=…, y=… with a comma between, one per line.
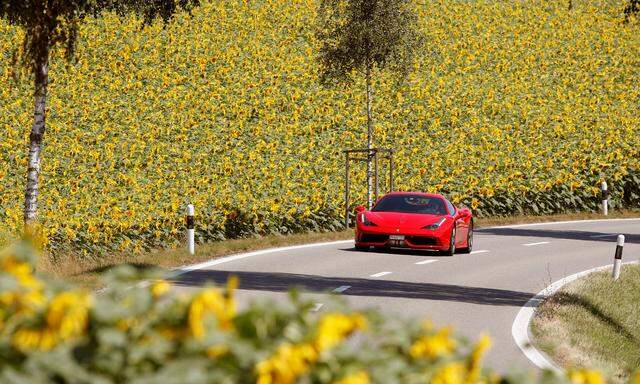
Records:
x=366, y=36
x=46, y=24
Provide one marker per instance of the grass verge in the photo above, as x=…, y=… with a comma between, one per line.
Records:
x=86, y=271
x=594, y=322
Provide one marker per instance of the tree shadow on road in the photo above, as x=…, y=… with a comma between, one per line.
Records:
x=278, y=282
x=559, y=234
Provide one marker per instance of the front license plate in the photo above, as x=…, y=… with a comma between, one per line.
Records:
x=396, y=237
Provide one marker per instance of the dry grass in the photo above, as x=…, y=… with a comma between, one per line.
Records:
x=86, y=271
x=594, y=322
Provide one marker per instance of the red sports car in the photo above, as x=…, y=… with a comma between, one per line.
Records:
x=417, y=221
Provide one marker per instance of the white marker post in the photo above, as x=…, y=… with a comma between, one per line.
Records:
x=605, y=198
x=617, y=261
x=190, y=229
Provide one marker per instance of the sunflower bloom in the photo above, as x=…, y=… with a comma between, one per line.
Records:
x=335, y=327
x=434, y=346
x=21, y=271
x=211, y=302
x=287, y=364
x=450, y=373
x=160, y=288
x=586, y=376
x=66, y=318
x=475, y=362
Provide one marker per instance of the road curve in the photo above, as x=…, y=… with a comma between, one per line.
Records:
x=481, y=292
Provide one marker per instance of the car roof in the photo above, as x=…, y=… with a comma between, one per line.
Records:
x=415, y=193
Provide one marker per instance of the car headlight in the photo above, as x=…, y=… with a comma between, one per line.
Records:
x=366, y=222
x=434, y=226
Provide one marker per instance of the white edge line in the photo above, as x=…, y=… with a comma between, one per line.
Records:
x=538, y=243
x=479, y=251
x=380, y=274
x=520, y=328
x=317, y=307
x=425, y=262
x=210, y=263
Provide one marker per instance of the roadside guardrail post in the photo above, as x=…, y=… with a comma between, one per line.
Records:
x=191, y=229
x=605, y=198
x=617, y=261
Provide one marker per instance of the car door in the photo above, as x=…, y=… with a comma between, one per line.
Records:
x=461, y=227
x=461, y=231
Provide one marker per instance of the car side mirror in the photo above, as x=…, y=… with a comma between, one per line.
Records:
x=464, y=212
x=359, y=209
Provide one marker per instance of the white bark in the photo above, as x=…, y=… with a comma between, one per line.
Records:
x=35, y=141
x=369, y=139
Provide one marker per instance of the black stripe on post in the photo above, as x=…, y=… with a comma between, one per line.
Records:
x=190, y=222
x=619, y=252
x=605, y=194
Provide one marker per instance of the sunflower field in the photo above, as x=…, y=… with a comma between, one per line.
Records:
x=511, y=107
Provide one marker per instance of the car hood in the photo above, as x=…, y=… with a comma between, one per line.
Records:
x=402, y=220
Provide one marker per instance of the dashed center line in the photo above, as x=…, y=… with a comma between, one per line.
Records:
x=538, y=243
x=479, y=251
x=379, y=274
x=341, y=288
x=425, y=262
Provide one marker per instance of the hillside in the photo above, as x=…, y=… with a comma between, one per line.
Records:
x=513, y=107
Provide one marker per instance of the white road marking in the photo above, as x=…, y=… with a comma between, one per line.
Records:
x=425, y=262
x=538, y=243
x=316, y=307
x=211, y=263
x=341, y=289
x=605, y=235
x=520, y=328
x=479, y=251
x=379, y=274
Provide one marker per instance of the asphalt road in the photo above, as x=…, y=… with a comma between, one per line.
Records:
x=475, y=293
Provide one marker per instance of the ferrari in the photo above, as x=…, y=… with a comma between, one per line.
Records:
x=416, y=221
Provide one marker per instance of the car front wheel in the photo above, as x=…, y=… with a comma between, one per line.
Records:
x=452, y=244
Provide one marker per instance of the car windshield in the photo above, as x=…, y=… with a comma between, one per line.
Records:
x=411, y=204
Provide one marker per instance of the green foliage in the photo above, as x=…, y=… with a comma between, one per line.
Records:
x=361, y=34
x=148, y=9
x=631, y=9
x=47, y=23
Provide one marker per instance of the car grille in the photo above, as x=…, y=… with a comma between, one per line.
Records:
x=374, y=238
x=422, y=240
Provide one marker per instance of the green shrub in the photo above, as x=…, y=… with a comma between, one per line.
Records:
x=52, y=332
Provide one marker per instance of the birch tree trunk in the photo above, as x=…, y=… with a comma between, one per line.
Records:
x=369, y=138
x=41, y=73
